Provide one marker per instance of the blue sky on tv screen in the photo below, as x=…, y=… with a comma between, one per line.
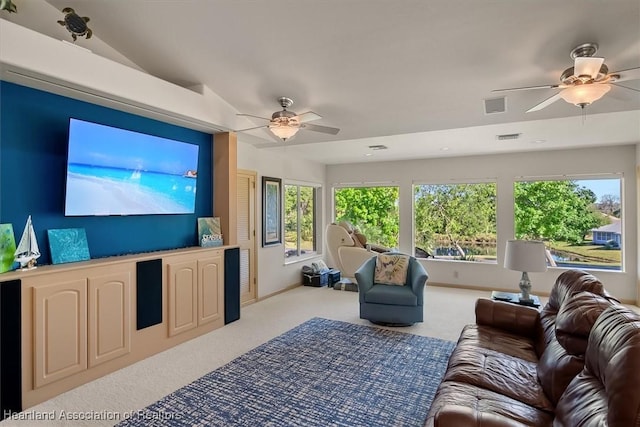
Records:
x=98, y=145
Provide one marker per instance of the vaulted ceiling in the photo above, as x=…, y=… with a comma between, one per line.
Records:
x=411, y=75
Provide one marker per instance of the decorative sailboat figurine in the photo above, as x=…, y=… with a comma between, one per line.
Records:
x=27, y=251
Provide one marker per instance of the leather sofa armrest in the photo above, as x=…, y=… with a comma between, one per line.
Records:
x=463, y=416
x=513, y=318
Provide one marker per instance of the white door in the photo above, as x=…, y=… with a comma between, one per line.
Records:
x=246, y=187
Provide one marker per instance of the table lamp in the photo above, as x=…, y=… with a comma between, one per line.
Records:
x=526, y=256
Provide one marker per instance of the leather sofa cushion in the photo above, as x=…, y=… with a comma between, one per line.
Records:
x=556, y=369
x=563, y=357
x=456, y=415
x=388, y=294
x=512, y=318
x=576, y=318
x=584, y=403
x=491, y=370
x=486, y=337
x=567, y=284
x=571, y=282
x=606, y=391
x=452, y=395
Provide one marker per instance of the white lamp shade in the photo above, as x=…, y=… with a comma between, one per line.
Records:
x=284, y=132
x=526, y=255
x=584, y=94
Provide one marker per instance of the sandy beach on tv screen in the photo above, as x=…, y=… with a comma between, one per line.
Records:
x=97, y=196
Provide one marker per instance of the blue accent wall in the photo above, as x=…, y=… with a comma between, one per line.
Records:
x=34, y=128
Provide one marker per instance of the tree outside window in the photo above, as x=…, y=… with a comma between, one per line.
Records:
x=455, y=221
x=372, y=210
x=299, y=220
x=579, y=220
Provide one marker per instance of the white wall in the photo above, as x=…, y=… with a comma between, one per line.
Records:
x=273, y=274
x=39, y=61
x=638, y=220
x=504, y=169
x=41, y=16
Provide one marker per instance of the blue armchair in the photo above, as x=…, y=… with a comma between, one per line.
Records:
x=392, y=304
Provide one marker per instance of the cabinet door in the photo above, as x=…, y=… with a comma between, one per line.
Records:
x=109, y=317
x=183, y=296
x=210, y=289
x=60, y=330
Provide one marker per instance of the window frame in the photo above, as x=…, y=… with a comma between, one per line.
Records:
x=470, y=181
x=583, y=177
x=384, y=184
x=316, y=197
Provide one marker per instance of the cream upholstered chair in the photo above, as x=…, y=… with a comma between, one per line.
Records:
x=345, y=254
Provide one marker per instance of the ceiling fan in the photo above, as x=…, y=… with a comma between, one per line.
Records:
x=584, y=83
x=285, y=124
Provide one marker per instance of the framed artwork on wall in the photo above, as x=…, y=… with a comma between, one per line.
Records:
x=271, y=211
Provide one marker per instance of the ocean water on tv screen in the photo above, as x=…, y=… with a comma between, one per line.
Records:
x=99, y=190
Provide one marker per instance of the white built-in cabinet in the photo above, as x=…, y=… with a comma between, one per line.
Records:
x=196, y=291
x=79, y=322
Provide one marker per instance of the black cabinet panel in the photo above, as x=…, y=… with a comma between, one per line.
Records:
x=10, y=348
x=231, y=285
x=148, y=293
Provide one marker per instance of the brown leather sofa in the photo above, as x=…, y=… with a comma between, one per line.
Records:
x=574, y=363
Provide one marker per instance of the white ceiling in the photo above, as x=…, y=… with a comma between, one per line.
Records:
x=410, y=74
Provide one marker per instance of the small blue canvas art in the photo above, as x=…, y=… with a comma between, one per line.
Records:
x=68, y=245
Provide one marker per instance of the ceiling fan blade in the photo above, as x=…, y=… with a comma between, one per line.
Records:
x=251, y=115
x=257, y=127
x=529, y=87
x=587, y=66
x=323, y=129
x=308, y=117
x=544, y=103
x=625, y=87
x=630, y=74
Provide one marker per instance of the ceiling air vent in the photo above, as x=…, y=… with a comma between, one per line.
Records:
x=508, y=136
x=378, y=147
x=495, y=105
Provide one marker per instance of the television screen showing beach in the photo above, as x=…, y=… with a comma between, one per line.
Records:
x=112, y=171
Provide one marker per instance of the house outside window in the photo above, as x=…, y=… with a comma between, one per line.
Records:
x=455, y=222
x=580, y=220
x=373, y=211
x=300, y=214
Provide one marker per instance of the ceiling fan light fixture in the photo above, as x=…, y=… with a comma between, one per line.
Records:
x=585, y=94
x=284, y=132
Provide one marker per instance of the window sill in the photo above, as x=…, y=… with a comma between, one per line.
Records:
x=587, y=268
x=477, y=262
x=301, y=258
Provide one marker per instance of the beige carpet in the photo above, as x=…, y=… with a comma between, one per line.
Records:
x=136, y=386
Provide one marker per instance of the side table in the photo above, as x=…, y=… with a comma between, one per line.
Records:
x=514, y=298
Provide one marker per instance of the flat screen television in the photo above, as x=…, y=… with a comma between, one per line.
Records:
x=112, y=171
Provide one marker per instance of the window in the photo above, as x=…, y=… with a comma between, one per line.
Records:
x=372, y=210
x=579, y=220
x=455, y=221
x=299, y=220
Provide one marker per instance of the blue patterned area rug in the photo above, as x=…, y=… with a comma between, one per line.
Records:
x=320, y=373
